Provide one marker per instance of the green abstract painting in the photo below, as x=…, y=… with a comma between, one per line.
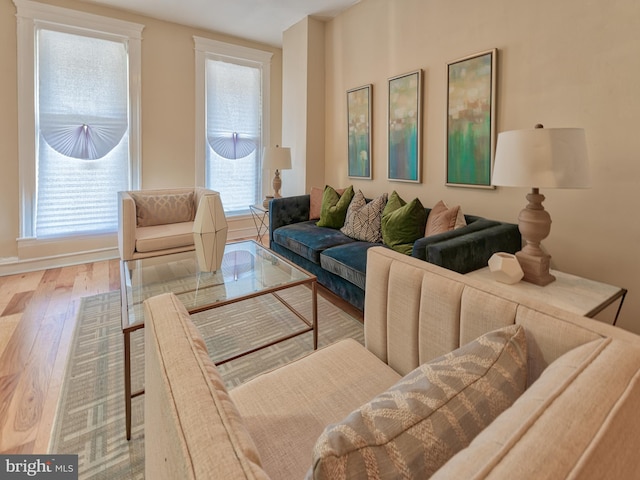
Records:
x=471, y=120
x=359, y=134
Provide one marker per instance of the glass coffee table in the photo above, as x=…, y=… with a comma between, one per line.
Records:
x=248, y=270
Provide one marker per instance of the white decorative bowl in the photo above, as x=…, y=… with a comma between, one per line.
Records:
x=505, y=268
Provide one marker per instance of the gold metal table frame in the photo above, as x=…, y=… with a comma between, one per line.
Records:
x=268, y=274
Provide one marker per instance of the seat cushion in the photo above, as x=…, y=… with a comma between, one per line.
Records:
x=286, y=409
x=348, y=261
x=162, y=237
x=308, y=240
x=429, y=415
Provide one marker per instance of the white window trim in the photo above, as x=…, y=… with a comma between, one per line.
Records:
x=213, y=49
x=30, y=15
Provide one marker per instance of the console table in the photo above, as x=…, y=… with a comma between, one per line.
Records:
x=569, y=292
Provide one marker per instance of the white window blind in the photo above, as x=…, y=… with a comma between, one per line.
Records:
x=234, y=132
x=82, y=131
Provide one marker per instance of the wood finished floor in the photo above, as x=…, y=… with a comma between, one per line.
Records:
x=38, y=317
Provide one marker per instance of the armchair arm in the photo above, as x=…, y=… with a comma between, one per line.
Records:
x=288, y=210
x=126, y=225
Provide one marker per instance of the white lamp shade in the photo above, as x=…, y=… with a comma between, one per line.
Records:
x=276, y=158
x=542, y=158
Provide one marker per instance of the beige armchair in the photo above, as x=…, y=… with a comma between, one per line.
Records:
x=157, y=222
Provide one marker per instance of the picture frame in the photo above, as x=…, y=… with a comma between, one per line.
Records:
x=405, y=127
x=359, y=106
x=471, y=120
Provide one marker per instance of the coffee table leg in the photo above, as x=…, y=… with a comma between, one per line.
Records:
x=127, y=382
x=314, y=302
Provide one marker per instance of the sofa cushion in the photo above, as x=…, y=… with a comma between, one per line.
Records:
x=308, y=240
x=163, y=208
x=348, y=261
x=285, y=410
x=334, y=207
x=402, y=223
x=161, y=237
x=429, y=415
x=443, y=219
x=364, y=220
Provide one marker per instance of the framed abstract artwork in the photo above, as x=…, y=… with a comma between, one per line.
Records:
x=359, y=131
x=405, y=126
x=471, y=119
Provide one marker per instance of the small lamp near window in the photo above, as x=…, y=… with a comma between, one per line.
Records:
x=539, y=157
x=276, y=159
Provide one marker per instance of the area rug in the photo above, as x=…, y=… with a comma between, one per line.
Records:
x=90, y=419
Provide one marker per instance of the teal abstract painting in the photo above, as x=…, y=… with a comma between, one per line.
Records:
x=359, y=131
x=471, y=120
x=405, y=111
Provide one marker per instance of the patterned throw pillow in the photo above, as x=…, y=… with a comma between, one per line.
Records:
x=413, y=428
x=402, y=223
x=334, y=207
x=364, y=220
x=442, y=219
x=163, y=208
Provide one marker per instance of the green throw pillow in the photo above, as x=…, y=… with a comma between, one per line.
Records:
x=334, y=207
x=402, y=223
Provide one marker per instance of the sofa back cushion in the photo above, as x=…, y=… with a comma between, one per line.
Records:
x=163, y=208
x=429, y=415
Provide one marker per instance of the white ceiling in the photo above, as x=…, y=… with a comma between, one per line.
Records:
x=259, y=20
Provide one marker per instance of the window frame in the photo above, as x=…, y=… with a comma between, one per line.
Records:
x=208, y=49
x=32, y=16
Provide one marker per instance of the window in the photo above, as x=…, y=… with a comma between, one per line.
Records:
x=232, y=103
x=79, y=124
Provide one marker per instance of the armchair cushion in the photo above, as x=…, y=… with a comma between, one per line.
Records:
x=163, y=209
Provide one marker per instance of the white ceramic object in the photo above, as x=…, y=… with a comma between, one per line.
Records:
x=210, y=233
x=505, y=268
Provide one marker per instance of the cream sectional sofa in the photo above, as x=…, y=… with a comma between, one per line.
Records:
x=577, y=418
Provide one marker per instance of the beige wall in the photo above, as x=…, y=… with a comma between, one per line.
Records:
x=303, y=105
x=168, y=107
x=573, y=63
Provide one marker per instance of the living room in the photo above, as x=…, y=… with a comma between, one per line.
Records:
x=563, y=64
x=566, y=65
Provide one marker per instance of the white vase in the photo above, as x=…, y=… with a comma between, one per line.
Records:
x=505, y=268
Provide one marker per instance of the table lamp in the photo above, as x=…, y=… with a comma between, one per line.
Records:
x=276, y=158
x=539, y=158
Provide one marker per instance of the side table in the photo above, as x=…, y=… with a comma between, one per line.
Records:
x=260, y=217
x=569, y=292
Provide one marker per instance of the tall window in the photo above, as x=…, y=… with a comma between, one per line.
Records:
x=233, y=92
x=79, y=147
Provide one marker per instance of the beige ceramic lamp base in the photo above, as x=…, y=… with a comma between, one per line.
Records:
x=534, y=223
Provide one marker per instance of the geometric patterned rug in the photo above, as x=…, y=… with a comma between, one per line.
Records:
x=90, y=418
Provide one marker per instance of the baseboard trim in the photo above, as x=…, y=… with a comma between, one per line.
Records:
x=13, y=265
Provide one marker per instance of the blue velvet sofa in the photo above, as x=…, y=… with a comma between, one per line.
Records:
x=340, y=262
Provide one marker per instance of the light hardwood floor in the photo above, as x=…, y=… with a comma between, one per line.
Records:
x=37, y=320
